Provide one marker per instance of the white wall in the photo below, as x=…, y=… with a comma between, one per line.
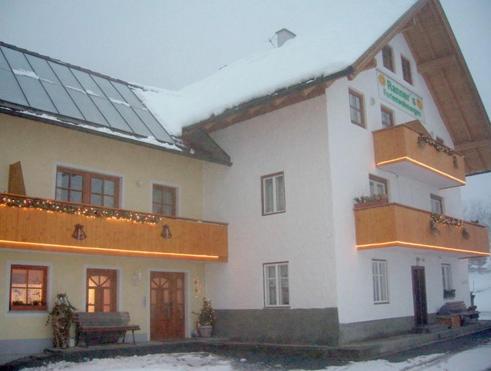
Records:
x=351, y=151
x=293, y=140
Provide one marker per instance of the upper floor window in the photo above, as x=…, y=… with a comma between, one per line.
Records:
x=436, y=204
x=406, y=70
x=387, y=58
x=387, y=117
x=378, y=186
x=86, y=187
x=276, y=286
x=273, y=193
x=164, y=200
x=28, y=287
x=380, y=281
x=357, y=109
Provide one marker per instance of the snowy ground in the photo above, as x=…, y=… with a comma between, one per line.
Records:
x=480, y=284
x=474, y=359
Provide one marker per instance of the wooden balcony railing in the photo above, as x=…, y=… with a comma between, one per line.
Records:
x=42, y=224
x=404, y=151
x=394, y=225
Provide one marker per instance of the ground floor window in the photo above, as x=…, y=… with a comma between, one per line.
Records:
x=380, y=281
x=28, y=287
x=101, y=290
x=276, y=286
x=448, y=290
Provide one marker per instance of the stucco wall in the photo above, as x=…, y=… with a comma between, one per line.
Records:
x=67, y=274
x=41, y=147
x=351, y=148
x=293, y=140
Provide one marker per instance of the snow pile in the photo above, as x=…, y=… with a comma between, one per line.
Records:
x=161, y=362
x=339, y=44
x=480, y=284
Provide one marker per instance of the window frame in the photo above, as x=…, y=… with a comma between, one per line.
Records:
x=163, y=187
x=380, y=280
x=407, y=73
x=44, y=289
x=87, y=177
x=390, y=112
x=391, y=67
x=263, y=194
x=114, y=288
x=378, y=179
x=447, y=279
x=360, y=96
x=434, y=197
x=277, y=285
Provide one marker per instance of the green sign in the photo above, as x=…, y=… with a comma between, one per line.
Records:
x=400, y=96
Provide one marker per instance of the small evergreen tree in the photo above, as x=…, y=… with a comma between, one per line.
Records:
x=207, y=314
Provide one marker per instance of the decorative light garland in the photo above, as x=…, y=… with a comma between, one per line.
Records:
x=88, y=211
x=424, y=139
x=443, y=219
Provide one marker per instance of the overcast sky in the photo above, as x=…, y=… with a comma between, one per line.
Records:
x=170, y=43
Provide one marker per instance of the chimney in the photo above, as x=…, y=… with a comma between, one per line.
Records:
x=282, y=36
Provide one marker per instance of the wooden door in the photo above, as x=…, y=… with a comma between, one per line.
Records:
x=101, y=290
x=166, y=305
x=419, y=296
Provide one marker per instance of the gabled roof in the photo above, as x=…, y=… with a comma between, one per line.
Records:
x=303, y=68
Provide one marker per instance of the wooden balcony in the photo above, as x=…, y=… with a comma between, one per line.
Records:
x=407, y=152
x=47, y=225
x=394, y=225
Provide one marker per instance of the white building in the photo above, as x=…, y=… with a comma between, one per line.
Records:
x=337, y=163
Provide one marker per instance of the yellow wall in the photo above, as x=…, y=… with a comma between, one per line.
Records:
x=67, y=275
x=41, y=147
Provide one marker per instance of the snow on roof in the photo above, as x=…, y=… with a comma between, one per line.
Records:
x=339, y=44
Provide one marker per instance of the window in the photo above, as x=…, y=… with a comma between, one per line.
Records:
x=380, y=282
x=378, y=186
x=357, y=109
x=101, y=290
x=436, y=204
x=88, y=188
x=164, y=200
x=276, y=290
x=406, y=70
x=387, y=117
x=448, y=291
x=387, y=58
x=28, y=286
x=273, y=193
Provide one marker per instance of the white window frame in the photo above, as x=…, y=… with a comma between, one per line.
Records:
x=376, y=181
x=276, y=209
x=277, y=279
x=447, y=277
x=380, y=279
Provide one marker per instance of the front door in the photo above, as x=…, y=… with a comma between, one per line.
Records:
x=166, y=305
x=419, y=296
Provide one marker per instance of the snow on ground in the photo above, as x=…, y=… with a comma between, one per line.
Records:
x=474, y=359
x=480, y=284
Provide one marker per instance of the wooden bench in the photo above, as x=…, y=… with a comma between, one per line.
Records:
x=103, y=327
x=455, y=309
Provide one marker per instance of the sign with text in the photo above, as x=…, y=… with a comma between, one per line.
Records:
x=393, y=92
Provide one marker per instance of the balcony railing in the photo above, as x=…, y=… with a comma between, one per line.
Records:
x=42, y=224
x=404, y=151
x=394, y=225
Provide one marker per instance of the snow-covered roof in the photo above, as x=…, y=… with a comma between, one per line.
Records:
x=338, y=45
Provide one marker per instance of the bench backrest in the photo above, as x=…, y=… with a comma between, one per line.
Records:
x=453, y=307
x=102, y=318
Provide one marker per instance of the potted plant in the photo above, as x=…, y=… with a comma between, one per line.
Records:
x=61, y=318
x=370, y=201
x=206, y=319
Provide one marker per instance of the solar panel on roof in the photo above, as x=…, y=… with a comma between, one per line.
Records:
x=43, y=84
